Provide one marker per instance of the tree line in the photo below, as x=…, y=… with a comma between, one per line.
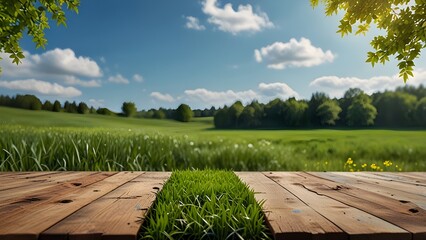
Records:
x=404, y=107
x=183, y=113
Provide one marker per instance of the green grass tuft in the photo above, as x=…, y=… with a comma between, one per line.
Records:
x=205, y=205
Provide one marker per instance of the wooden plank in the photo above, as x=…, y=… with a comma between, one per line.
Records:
x=417, y=177
x=356, y=223
x=287, y=216
x=15, y=181
x=408, y=186
x=22, y=203
x=418, y=174
x=10, y=173
x=404, y=215
x=26, y=220
x=22, y=175
x=117, y=215
x=392, y=177
x=29, y=191
x=389, y=189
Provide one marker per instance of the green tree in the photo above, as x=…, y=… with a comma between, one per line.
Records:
x=83, y=108
x=70, y=107
x=129, y=109
x=36, y=104
x=316, y=100
x=184, y=113
x=361, y=112
x=5, y=101
x=420, y=112
x=274, y=112
x=346, y=101
x=234, y=113
x=31, y=16
x=159, y=114
x=404, y=25
x=295, y=114
x=56, y=106
x=395, y=109
x=105, y=111
x=247, y=118
x=47, y=106
x=92, y=110
x=419, y=92
x=258, y=113
x=30, y=102
x=149, y=113
x=221, y=118
x=328, y=112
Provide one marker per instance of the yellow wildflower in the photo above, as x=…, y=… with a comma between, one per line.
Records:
x=349, y=161
x=387, y=163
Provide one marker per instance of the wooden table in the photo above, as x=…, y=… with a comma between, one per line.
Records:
x=297, y=205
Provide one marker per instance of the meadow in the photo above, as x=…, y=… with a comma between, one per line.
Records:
x=41, y=141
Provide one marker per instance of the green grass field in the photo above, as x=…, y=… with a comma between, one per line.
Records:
x=39, y=140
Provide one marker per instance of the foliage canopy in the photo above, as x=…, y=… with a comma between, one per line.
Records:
x=129, y=109
x=403, y=21
x=33, y=16
x=184, y=113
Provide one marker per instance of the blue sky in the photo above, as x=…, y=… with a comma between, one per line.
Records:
x=204, y=53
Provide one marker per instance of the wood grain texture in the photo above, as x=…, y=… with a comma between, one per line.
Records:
x=33, y=217
x=299, y=205
x=39, y=191
x=23, y=175
x=117, y=215
x=412, y=179
x=288, y=216
x=417, y=178
x=33, y=181
x=405, y=215
x=356, y=223
x=398, y=191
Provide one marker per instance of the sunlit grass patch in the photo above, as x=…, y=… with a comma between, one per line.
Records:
x=205, y=204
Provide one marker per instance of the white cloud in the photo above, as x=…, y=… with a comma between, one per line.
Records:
x=119, y=79
x=138, y=78
x=54, y=65
x=194, y=23
x=242, y=20
x=96, y=103
x=202, y=97
x=265, y=92
x=281, y=55
x=41, y=87
x=72, y=80
x=61, y=61
x=277, y=89
x=220, y=98
x=57, y=62
x=162, y=97
x=336, y=86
